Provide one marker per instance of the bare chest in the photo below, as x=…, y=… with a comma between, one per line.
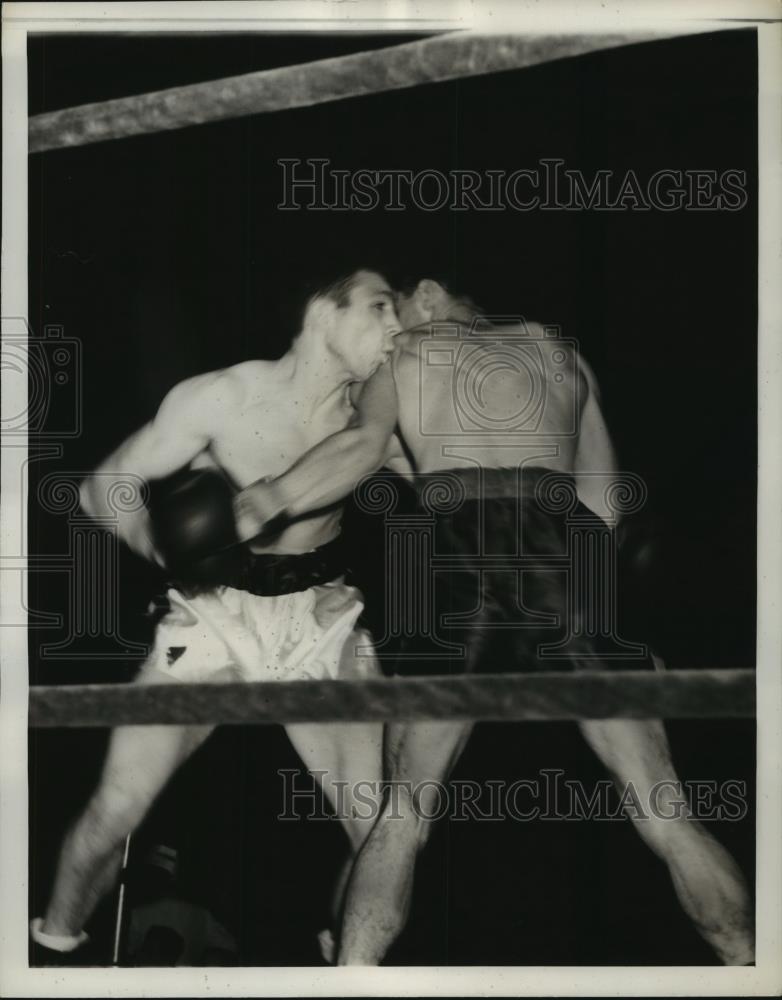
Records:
x=265, y=438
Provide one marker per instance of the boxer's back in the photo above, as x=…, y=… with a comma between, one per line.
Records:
x=496, y=397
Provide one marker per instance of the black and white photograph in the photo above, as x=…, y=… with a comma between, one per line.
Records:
x=391, y=499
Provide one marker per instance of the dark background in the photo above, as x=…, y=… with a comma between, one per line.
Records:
x=166, y=256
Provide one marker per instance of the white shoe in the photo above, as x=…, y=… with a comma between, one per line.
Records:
x=327, y=946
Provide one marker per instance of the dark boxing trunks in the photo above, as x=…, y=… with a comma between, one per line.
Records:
x=508, y=579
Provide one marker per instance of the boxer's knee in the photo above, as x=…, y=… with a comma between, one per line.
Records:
x=409, y=812
x=357, y=830
x=666, y=824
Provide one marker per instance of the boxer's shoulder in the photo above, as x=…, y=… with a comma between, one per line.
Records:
x=243, y=383
x=408, y=343
x=210, y=398
x=249, y=373
x=189, y=400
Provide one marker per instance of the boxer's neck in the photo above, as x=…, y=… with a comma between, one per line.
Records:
x=316, y=372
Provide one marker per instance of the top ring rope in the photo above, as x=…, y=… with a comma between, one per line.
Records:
x=432, y=60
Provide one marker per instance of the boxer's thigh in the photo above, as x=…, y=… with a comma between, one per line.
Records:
x=347, y=758
x=637, y=755
x=141, y=759
x=419, y=755
x=634, y=750
x=347, y=761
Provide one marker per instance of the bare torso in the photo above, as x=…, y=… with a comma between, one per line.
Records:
x=477, y=399
x=267, y=422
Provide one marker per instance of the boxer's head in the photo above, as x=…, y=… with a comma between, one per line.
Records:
x=356, y=317
x=430, y=301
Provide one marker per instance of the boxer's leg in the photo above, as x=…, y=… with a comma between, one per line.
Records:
x=419, y=755
x=347, y=760
x=707, y=880
x=139, y=762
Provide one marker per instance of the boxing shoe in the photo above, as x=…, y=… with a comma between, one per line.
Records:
x=50, y=950
x=327, y=946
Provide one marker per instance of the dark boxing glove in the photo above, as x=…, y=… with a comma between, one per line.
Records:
x=195, y=531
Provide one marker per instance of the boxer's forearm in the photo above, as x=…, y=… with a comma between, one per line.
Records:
x=595, y=465
x=134, y=527
x=327, y=473
x=322, y=477
x=138, y=535
x=330, y=471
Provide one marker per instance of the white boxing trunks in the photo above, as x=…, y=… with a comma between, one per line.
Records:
x=232, y=635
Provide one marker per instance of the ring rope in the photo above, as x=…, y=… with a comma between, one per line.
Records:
x=432, y=60
x=598, y=694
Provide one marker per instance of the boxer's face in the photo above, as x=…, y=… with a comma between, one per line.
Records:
x=365, y=328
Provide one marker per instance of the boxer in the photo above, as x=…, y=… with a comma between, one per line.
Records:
x=276, y=608
x=499, y=477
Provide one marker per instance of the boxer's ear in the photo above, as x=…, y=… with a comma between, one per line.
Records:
x=321, y=315
x=431, y=298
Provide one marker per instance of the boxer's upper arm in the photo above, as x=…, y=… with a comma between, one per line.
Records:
x=595, y=451
x=595, y=462
x=180, y=430
x=375, y=400
x=329, y=471
x=376, y=406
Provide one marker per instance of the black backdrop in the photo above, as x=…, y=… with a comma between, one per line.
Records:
x=166, y=256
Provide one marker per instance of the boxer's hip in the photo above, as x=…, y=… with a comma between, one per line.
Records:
x=506, y=588
x=502, y=511
x=293, y=618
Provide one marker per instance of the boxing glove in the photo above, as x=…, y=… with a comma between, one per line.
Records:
x=194, y=528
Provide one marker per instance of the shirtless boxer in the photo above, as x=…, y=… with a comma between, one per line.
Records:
x=707, y=881
x=296, y=619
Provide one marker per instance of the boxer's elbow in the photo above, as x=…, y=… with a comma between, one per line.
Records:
x=376, y=451
x=96, y=489
x=93, y=498
x=365, y=450
x=86, y=496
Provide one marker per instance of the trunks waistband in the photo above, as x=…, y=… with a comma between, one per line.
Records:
x=268, y=574
x=474, y=483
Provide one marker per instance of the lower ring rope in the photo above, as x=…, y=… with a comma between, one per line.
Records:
x=538, y=696
x=433, y=60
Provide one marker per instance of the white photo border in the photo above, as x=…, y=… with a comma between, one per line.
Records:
x=16, y=979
